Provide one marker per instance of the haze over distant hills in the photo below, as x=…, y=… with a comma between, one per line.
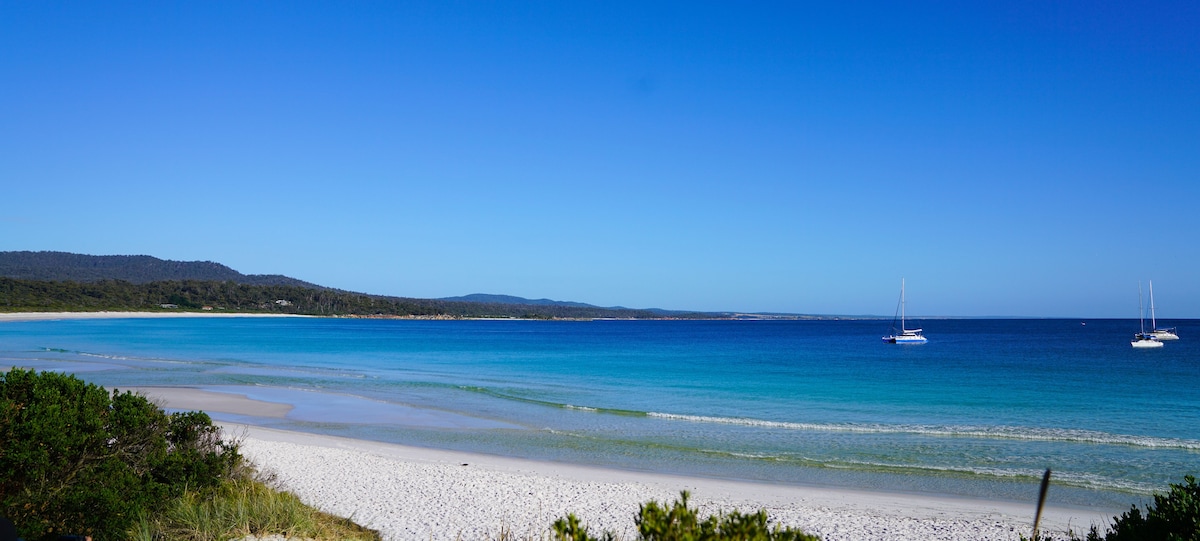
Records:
x=510, y=299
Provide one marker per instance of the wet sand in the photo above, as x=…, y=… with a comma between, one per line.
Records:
x=416, y=493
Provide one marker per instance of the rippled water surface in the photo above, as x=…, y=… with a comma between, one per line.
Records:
x=980, y=410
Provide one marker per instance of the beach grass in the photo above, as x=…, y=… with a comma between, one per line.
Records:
x=242, y=508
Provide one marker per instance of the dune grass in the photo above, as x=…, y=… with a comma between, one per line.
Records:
x=241, y=508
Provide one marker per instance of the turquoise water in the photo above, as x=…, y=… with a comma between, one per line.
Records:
x=981, y=410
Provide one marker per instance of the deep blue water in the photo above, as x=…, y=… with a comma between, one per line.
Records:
x=980, y=410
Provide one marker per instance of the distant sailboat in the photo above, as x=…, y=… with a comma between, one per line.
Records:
x=1159, y=334
x=1143, y=339
x=905, y=336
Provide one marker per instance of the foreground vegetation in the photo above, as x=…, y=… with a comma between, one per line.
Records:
x=75, y=460
x=1174, y=516
x=243, y=507
x=678, y=522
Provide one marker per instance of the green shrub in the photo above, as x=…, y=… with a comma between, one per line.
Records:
x=1172, y=517
x=680, y=523
x=569, y=529
x=75, y=460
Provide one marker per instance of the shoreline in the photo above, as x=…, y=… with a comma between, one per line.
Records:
x=410, y=492
x=57, y=316
x=108, y=314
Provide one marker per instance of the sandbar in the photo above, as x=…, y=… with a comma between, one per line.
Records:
x=184, y=398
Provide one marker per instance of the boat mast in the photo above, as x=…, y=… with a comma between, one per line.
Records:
x=902, y=305
x=1153, y=323
x=1141, y=311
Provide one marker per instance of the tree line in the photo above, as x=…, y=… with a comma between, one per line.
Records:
x=227, y=296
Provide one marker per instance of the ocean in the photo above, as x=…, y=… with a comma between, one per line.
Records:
x=980, y=411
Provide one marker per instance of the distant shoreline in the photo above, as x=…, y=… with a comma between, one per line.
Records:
x=112, y=314
x=53, y=316
x=109, y=314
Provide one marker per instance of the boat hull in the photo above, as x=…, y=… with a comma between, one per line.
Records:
x=1146, y=344
x=1161, y=334
x=902, y=339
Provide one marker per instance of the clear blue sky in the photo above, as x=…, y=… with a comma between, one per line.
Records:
x=1007, y=158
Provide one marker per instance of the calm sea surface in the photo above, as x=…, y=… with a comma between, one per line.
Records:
x=981, y=410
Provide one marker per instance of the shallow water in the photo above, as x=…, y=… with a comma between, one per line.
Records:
x=981, y=410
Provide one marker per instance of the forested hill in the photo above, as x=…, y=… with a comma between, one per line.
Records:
x=66, y=282
x=231, y=298
x=135, y=269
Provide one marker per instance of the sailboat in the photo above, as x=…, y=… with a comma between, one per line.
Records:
x=905, y=336
x=1159, y=334
x=1143, y=339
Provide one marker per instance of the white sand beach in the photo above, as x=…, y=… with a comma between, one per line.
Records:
x=411, y=493
x=417, y=493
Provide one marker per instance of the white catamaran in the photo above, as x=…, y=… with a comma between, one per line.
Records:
x=1143, y=339
x=905, y=336
x=1159, y=334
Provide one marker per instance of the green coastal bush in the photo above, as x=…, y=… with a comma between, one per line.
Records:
x=1174, y=516
x=75, y=460
x=678, y=522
